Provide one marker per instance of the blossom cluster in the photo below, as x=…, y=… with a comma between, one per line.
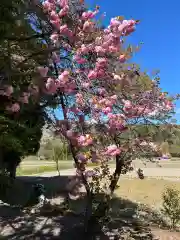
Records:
x=92, y=80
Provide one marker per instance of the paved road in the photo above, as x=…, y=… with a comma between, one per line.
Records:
x=136, y=163
x=148, y=172
x=45, y=162
x=170, y=169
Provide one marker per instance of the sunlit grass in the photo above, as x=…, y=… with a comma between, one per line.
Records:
x=39, y=170
x=147, y=191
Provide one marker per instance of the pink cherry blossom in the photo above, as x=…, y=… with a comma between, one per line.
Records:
x=56, y=24
x=109, y=102
x=122, y=58
x=13, y=108
x=113, y=49
x=127, y=104
x=62, y=3
x=69, y=134
x=64, y=11
x=129, y=30
x=54, y=16
x=54, y=37
x=7, y=91
x=100, y=50
x=49, y=83
x=101, y=91
x=107, y=31
x=88, y=26
x=106, y=110
x=95, y=84
x=84, y=49
x=101, y=62
x=110, y=115
x=64, y=29
x=88, y=15
x=112, y=150
x=79, y=59
x=43, y=71
x=114, y=22
x=85, y=140
x=47, y=6
x=114, y=97
x=100, y=73
x=92, y=74
x=64, y=76
x=86, y=84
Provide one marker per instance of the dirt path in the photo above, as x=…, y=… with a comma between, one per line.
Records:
x=165, y=234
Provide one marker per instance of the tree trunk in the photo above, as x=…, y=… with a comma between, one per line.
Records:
x=103, y=207
x=12, y=172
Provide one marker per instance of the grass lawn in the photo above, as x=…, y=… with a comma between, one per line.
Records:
x=147, y=191
x=34, y=166
x=39, y=169
x=44, y=167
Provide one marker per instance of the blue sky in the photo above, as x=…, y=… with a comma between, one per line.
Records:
x=159, y=30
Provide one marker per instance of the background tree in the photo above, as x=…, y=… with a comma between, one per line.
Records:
x=23, y=48
x=20, y=132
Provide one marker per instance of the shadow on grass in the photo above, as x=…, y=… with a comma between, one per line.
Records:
x=19, y=191
x=122, y=222
x=58, y=224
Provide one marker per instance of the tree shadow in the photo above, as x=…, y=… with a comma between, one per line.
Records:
x=123, y=220
x=124, y=217
x=19, y=191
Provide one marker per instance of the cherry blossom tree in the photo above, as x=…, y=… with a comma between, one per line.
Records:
x=85, y=73
x=90, y=88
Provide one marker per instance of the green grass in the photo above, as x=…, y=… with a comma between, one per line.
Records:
x=30, y=170
x=39, y=169
x=44, y=169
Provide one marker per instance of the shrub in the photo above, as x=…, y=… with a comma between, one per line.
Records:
x=171, y=205
x=175, y=150
x=165, y=148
